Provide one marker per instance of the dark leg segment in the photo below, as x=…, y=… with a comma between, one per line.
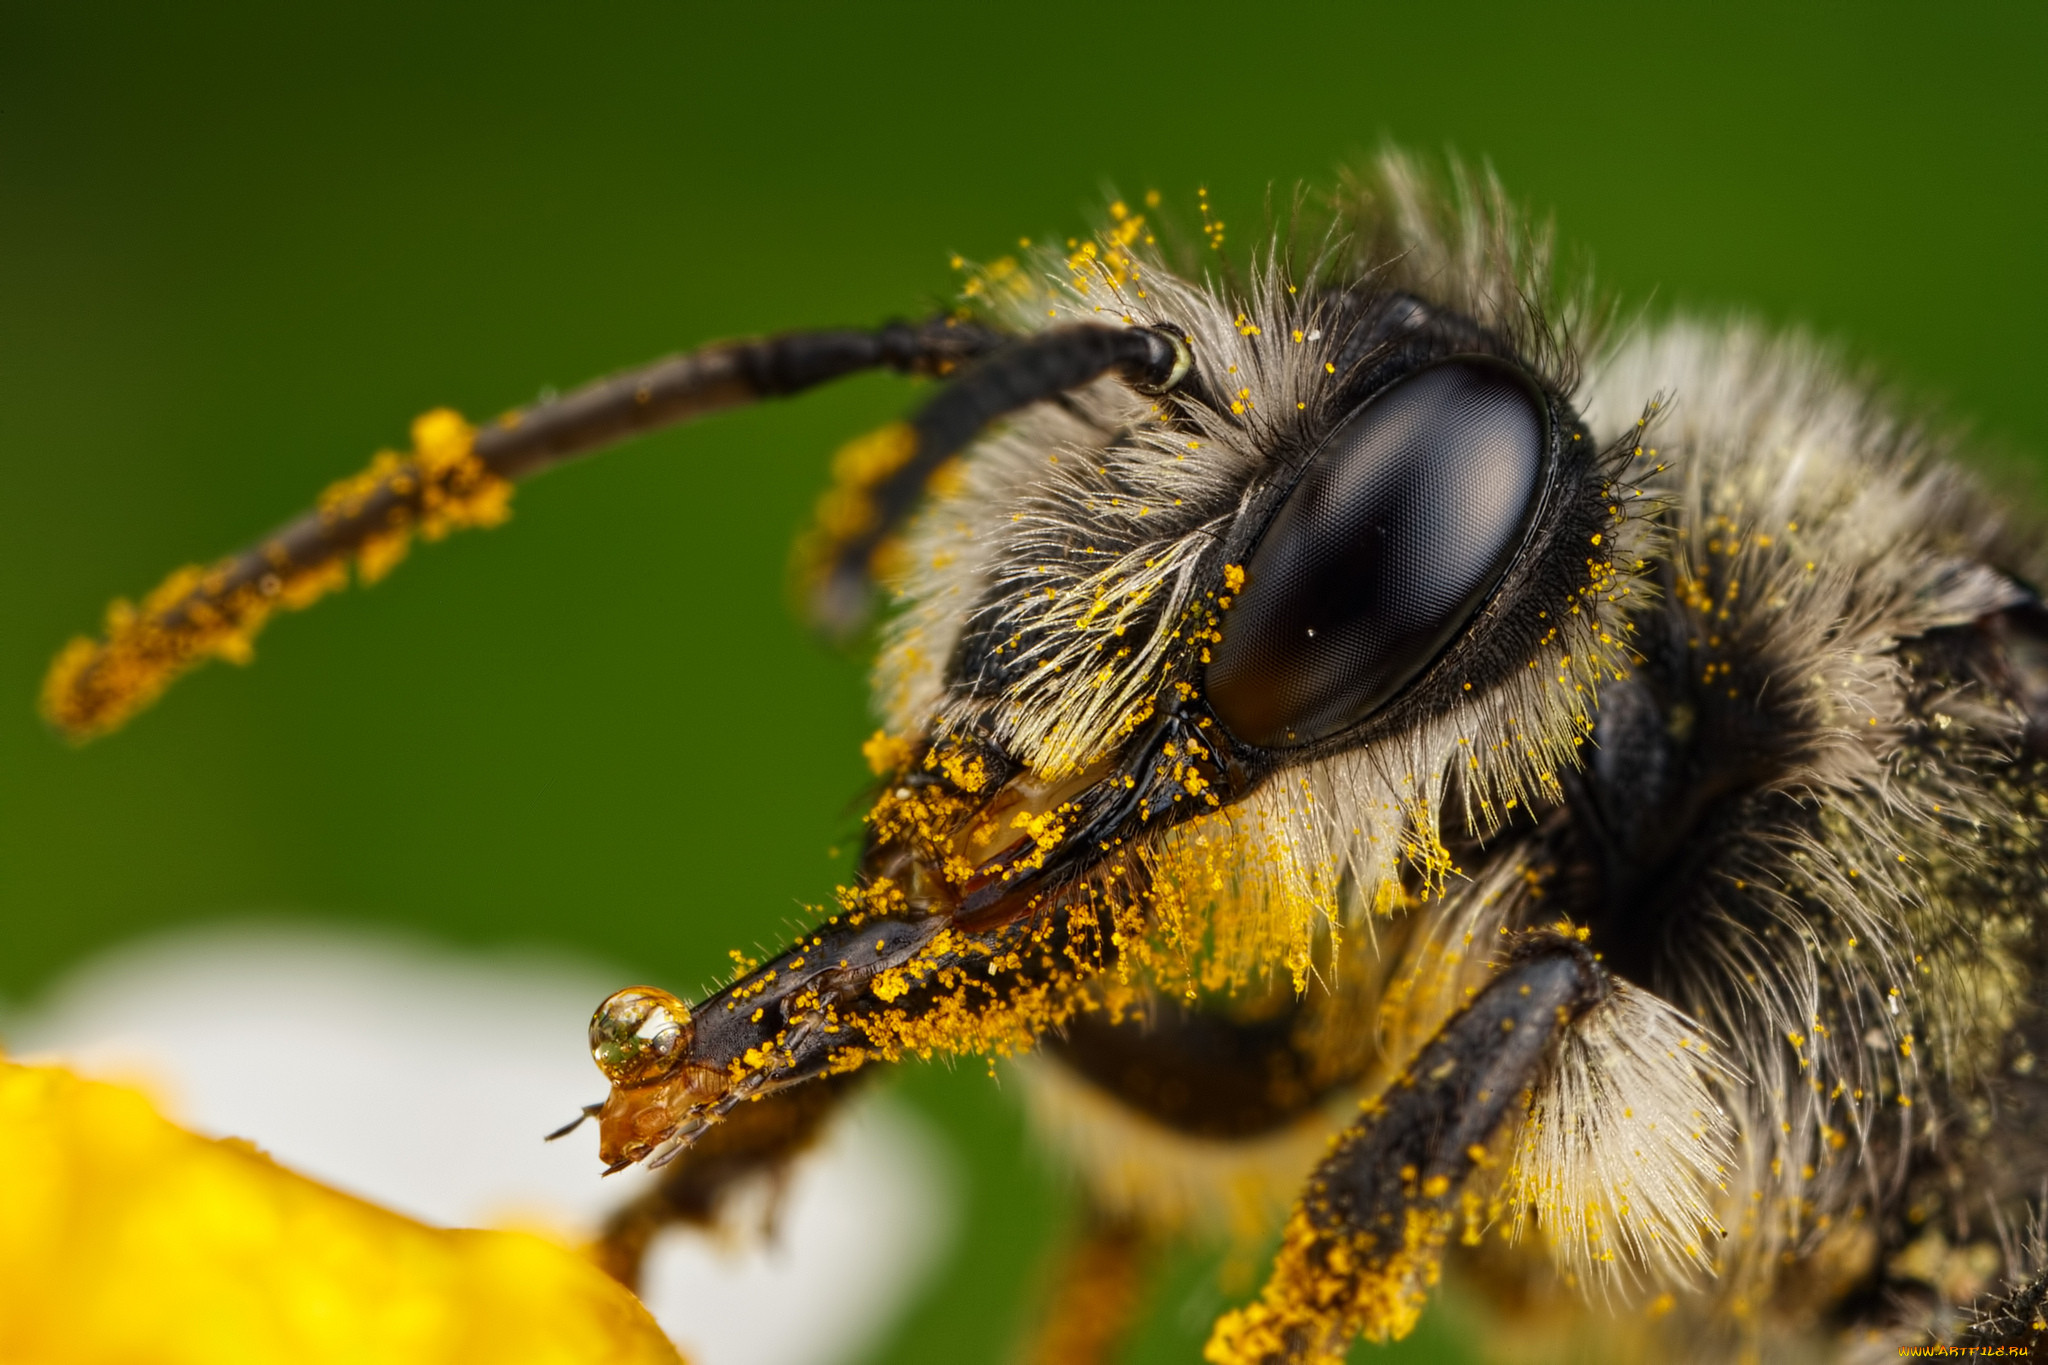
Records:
x=2014, y=1327
x=1197, y=1071
x=1364, y=1247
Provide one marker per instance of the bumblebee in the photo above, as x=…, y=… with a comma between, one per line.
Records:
x=1404, y=763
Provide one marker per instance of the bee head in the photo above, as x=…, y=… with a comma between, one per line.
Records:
x=1366, y=543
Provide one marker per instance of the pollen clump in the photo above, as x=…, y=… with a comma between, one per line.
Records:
x=126, y=1238
x=197, y=614
x=886, y=753
x=1327, y=1289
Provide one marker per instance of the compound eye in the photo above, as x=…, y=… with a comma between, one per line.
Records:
x=639, y=1035
x=1399, y=527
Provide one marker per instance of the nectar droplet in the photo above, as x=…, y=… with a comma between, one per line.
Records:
x=639, y=1035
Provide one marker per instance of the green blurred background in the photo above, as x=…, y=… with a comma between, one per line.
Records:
x=241, y=247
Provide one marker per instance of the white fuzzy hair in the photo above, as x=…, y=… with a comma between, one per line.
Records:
x=1626, y=1151
x=1840, y=529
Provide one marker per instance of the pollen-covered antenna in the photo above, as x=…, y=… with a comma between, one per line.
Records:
x=458, y=476
x=455, y=476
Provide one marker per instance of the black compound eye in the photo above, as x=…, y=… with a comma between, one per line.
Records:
x=1398, y=528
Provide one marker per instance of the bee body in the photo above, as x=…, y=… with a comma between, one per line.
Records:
x=1484, y=792
x=1794, y=794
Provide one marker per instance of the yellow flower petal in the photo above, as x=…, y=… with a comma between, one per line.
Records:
x=124, y=1238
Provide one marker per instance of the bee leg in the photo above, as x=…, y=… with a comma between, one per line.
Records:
x=1096, y=1292
x=2015, y=1324
x=759, y=1139
x=1363, y=1248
